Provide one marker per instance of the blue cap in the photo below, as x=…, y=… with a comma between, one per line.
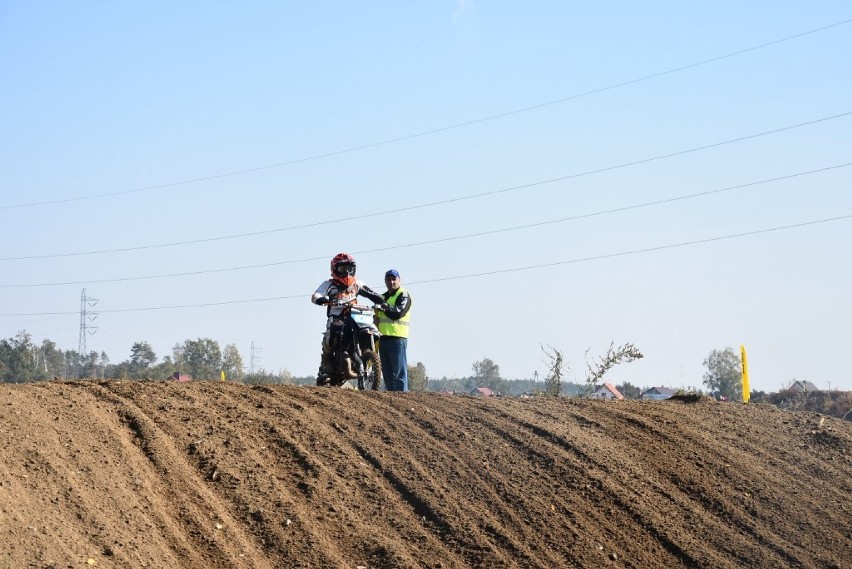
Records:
x=392, y=273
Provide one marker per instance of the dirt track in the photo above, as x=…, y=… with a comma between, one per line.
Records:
x=212, y=475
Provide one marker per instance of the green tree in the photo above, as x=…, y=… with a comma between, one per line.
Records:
x=89, y=365
x=486, y=373
x=164, y=369
x=103, y=363
x=417, y=379
x=232, y=363
x=724, y=374
x=142, y=357
x=19, y=358
x=72, y=364
x=201, y=358
x=53, y=360
x=119, y=370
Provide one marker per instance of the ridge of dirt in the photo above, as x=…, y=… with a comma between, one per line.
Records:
x=220, y=475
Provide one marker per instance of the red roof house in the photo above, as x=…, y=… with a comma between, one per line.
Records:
x=607, y=391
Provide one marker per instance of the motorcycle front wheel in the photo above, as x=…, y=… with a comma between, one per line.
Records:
x=371, y=378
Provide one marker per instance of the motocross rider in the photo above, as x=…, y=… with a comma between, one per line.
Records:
x=341, y=289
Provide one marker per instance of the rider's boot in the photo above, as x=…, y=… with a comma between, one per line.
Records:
x=326, y=368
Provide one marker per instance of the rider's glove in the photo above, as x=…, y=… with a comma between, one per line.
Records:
x=322, y=300
x=383, y=307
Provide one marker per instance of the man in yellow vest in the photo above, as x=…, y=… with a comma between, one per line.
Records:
x=393, y=325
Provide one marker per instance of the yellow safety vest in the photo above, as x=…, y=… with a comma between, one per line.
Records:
x=398, y=328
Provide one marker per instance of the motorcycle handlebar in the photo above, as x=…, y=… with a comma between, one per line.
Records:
x=352, y=305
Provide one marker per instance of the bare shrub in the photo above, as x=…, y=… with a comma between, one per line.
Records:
x=556, y=369
x=596, y=369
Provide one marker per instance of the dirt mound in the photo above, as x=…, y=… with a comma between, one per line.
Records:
x=215, y=475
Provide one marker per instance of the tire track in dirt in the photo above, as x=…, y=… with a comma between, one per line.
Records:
x=83, y=458
x=188, y=519
x=399, y=503
x=724, y=523
x=752, y=509
x=504, y=504
x=302, y=477
x=687, y=478
x=654, y=503
x=416, y=483
x=318, y=441
x=484, y=526
x=224, y=446
x=308, y=477
x=728, y=520
x=511, y=504
x=617, y=482
x=565, y=459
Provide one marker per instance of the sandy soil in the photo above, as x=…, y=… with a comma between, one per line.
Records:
x=217, y=475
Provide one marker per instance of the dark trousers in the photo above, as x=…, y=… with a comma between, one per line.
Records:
x=394, y=362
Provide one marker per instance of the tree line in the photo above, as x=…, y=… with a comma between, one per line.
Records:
x=23, y=361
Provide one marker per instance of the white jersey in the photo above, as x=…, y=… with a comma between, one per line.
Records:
x=338, y=294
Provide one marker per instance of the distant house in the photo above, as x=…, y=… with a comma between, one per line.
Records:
x=657, y=393
x=446, y=391
x=606, y=391
x=178, y=376
x=482, y=392
x=803, y=387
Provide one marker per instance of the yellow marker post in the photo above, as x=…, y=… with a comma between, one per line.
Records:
x=222, y=375
x=746, y=389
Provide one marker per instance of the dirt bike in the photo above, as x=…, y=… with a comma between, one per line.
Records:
x=354, y=351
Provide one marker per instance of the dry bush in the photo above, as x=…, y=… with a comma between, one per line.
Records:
x=556, y=365
x=595, y=370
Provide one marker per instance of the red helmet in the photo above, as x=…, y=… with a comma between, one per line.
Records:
x=343, y=269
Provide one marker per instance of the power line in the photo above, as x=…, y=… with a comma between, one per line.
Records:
x=435, y=130
x=447, y=239
x=475, y=275
x=637, y=251
x=439, y=202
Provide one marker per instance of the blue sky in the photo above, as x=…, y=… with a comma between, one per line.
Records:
x=150, y=139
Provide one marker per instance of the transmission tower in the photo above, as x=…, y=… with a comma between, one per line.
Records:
x=86, y=315
x=253, y=357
